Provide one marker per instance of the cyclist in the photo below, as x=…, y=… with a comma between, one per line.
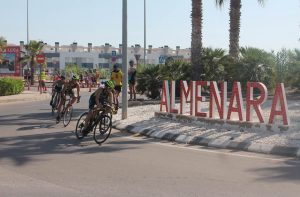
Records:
x=57, y=87
x=68, y=91
x=102, y=96
x=116, y=77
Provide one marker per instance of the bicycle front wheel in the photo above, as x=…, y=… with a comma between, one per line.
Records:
x=68, y=116
x=103, y=129
x=80, y=125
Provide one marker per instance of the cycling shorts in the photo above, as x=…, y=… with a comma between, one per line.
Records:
x=57, y=89
x=92, y=101
x=70, y=93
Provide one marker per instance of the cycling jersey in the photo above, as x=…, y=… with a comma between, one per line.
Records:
x=59, y=85
x=103, y=97
x=69, y=89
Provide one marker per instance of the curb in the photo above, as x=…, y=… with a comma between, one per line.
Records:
x=288, y=151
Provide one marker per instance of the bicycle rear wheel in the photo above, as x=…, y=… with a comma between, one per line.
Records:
x=68, y=115
x=54, y=102
x=80, y=125
x=103, y=129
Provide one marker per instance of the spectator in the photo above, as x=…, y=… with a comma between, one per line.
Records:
x=116, y=77
x=131, y=80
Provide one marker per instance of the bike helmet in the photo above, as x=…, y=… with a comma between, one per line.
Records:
x=75, y=77
x=109, y=84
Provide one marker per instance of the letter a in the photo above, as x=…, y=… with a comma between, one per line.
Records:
x=279, y=94
x=237, y=97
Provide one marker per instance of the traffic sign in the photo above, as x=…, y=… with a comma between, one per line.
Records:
x=162, y=59
x=40, y=58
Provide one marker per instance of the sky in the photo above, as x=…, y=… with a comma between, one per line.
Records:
x=273, y=26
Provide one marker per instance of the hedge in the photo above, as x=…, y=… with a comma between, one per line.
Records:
x=10, y=86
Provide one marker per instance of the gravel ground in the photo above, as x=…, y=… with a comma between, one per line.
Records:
x=143, y=117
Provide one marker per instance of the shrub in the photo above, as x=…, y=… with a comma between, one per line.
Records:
x=149, y=82
x=10, y=86
x=176, y=71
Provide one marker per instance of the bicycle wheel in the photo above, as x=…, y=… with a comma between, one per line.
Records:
x=54, y=102
x=102, y=129
x=80, y=125
x=68, y=115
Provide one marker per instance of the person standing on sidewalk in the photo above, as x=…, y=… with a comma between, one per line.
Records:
x=131, y=80
x=116, y=77
x=42, y=81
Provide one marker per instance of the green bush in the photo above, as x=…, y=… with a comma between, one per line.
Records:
x=10, y=86
x=149, y=82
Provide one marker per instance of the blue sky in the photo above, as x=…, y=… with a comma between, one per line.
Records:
x=271, y=27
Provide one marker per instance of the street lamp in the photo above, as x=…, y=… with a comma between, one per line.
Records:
x=124, y=61
x=144, y=32
x=27, y=25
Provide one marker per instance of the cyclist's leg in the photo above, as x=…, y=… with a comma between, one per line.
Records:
x=54, y=94
x=92, y=103
x=73, y=99
x=117, y=92
x=61, y=103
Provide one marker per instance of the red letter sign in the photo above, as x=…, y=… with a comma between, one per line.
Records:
x=165, y=96
x=279, y=94
x=215, y=101
x=237, y=97
x=255, y=103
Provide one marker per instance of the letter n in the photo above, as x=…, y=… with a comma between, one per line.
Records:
x=217, y=101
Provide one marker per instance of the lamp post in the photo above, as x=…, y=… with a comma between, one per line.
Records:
x=27, y=25
x=124, y=61
x=144, y=33
x=31, y=71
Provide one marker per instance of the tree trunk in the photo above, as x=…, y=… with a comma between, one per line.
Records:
x=234, y=31
x=32, y=71
x=196, y=44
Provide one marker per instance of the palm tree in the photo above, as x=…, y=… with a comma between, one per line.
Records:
x=2, y=45
x=196, y=44
x=33, y=48
x=235, y=23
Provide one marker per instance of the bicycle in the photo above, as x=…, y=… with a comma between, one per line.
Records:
x=26, y=84
x=55, y=101
x=67, y=111
x=100, y=124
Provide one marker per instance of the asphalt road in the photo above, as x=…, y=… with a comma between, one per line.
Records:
x=40, y=158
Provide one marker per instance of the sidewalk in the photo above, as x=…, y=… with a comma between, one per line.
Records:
x=148, y=121
x=25, y=96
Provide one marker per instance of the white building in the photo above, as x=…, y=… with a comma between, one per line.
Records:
x=105, y=56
